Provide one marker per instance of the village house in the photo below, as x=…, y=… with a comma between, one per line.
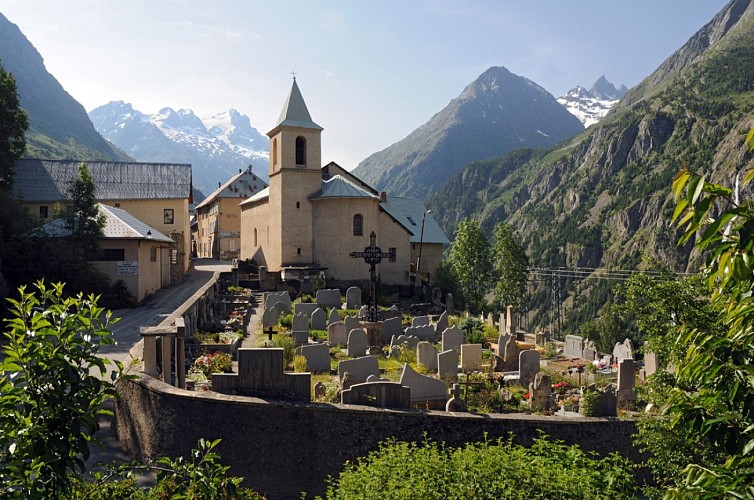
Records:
x=130, y=250
x=156, y=194
x=310, y=218
x=216, y=231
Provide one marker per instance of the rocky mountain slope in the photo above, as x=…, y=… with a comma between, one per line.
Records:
x=58, y=125
x=590, y=106
x=602, y=199
x=496, y=113
x=216, y=147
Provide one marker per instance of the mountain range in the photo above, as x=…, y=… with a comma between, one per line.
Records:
x=602, y=199
x=591, y=106
x=216, y=147
x=58, y=125
x=496, y=113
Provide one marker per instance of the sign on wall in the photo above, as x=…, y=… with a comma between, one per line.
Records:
x=128, y=267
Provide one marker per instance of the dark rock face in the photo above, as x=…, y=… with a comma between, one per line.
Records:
x=496, y=113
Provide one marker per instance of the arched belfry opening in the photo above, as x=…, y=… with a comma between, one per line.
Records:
x=300, y=151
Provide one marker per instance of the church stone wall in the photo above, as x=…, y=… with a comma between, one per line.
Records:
x=392, y=234
x=256, y=216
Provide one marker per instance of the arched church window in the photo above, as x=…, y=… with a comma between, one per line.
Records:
x=255, y=238
x=274, y=153
x=358, y=225
x=300, y=151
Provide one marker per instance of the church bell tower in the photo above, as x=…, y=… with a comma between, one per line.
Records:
x=295, y=174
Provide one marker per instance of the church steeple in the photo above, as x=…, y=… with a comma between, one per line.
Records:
x=295, y=112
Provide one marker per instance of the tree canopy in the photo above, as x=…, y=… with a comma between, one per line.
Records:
x=13, y=126
x=470, y=258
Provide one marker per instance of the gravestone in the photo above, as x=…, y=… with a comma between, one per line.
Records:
x=306, y=308
x=363, y=310
x=300, y=323
x=426, y=354
x=574, y=346
x=320, y=390
x=420, y=321
x=404, y=340
x=351, y=323
x=319, y=319
x=317, y=357
x=502, y=341
x=455, y=403
x=650, y=363
x=626, y=381
x=391, y=312
x=281, y=307
x=260, y=373
x=426, y=332
x=359, y=368
x=589, y=354
x=270, y=317
x=623, y=350
x=511, y=321
x=606, y=404
x=334, y=317
x=490, y=320
x=450, y=306
x=424, y=389
x=377, y=394
x=441, y=325
x=347, y=380
x=511, y=354
x=447, y=365
x=270, y=298
x=539, y=392
x=501, y=324
x=353, y=298
x=391, y=327
x=329, y=297
x=337, y=334
x=471, y=357
x=528, y=366
x=300, y=337
x=357, y=343
x=452, y=338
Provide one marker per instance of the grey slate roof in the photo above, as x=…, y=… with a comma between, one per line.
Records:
x=295, y=112
x=409, y=212
x=338, y=186
x=119, y=225
x=240, y=185
x=265, y=193
x=49, y=180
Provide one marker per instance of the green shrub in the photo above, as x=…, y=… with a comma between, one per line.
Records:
x=299, y=364
x=286, y=320
x=588, y=403
x=288, y=345
x=487, y=470
x=318, y=334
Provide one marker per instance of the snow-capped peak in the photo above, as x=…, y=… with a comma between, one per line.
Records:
x=590, y=106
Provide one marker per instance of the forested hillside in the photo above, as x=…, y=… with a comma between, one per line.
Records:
x=603, y=198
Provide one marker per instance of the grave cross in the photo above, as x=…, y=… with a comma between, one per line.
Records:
x=373, y=255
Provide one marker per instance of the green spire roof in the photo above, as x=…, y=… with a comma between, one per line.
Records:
x=294, y=113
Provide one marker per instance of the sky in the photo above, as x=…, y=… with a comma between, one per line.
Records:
x=370, y=71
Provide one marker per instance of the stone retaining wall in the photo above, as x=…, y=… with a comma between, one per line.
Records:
x=282, y=449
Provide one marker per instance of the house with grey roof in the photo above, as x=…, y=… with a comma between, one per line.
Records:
x=216, y=232
x=131, y=251
x=312, y=217
x=156, y=193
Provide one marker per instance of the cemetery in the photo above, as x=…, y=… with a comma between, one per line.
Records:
x=259, y=367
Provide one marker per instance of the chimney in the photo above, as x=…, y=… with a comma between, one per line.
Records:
x=383, y=196
x=239, y=170
x=219, y=183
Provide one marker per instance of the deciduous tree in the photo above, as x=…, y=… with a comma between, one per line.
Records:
x=470, y=259
x=511, y=263
x=13, y=125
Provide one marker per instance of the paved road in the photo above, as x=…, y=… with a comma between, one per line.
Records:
x=150, y=312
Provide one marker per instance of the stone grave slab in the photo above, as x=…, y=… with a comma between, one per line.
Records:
x=329, y=297
x=300, y=323
x=528, y=366
x=426, y=354
x=359, y=369
x=270, y=317
x=270, y=298
x=502, y=341
x=447, y=365
x=306, y=308
x=426, y=332
x=317, y=357
x=420, y=321
x=511, y=354
x=452, y=338
x=351, y=323
x=623, y=350
x=471, y=357
x=391, y=327
x=337, y=334
x=318, y=319
x=300, y=337
x=353, y=298
x=441, y=325
x=357, y=342
x=423, y=388
x=261, y=370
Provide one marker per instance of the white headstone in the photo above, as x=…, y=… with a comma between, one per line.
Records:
x=423, y=388
x=452, y=338
x=357, y=343
x=471, y=357
x=574, y=346
x=426, y=354
x=337, y=334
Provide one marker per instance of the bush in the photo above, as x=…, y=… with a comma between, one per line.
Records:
x=473, y=331
x=218, y=362
x=484, y=470
x=299, y=364
x=286, y=320
x=288, y=345
x=52, y=386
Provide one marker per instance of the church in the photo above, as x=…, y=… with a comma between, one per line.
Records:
x=311, y=217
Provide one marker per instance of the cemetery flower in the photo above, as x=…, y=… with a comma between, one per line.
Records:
x=218, y=362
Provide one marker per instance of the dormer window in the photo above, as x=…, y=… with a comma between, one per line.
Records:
x=300, y=151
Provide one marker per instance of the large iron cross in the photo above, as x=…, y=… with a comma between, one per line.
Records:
x=373, y=255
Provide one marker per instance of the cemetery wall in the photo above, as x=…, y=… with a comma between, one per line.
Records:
x=285, y=448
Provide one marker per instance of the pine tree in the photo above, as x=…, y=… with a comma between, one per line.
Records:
x=13, y=125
